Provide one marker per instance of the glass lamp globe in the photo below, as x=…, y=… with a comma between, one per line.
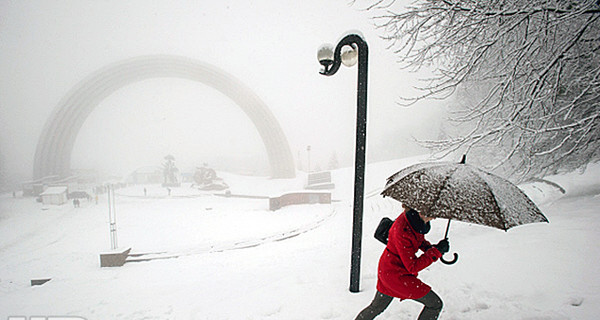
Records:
x=325, y=55
x=349, y=55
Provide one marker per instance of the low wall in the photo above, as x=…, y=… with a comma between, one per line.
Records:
x=299, y=198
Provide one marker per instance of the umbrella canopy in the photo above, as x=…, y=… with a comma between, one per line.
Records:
x=462, y=192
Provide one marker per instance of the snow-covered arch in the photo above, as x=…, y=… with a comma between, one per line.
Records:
x=53, y=152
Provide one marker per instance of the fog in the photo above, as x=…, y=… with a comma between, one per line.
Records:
x=47, y=47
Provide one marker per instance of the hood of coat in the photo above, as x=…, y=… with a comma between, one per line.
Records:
x=416, y=222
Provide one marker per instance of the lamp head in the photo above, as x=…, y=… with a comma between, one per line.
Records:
x=325, y=56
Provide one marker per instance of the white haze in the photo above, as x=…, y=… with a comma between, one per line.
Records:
x=47, y=47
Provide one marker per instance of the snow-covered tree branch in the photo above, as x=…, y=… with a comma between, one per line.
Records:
x=524, y=77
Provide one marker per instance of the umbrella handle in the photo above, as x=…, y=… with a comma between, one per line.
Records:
x=453, y=261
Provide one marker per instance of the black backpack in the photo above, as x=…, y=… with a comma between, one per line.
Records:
x=383, y=230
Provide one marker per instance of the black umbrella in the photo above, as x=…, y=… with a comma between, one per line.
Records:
x=462, y=192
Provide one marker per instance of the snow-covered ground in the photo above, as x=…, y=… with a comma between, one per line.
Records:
x=238, y=260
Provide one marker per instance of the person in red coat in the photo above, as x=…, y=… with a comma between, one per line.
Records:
x=399, y=267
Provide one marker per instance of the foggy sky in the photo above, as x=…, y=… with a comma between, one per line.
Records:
x=47, y=47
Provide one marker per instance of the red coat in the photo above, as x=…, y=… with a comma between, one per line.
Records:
x=399, y=264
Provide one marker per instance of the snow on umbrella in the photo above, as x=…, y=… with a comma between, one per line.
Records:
x=463, y=192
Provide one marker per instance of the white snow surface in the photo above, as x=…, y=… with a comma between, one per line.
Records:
x=238, y=260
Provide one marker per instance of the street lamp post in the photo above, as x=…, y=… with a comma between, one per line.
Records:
x=346, y=53
x=308, y=157
x=112, y=217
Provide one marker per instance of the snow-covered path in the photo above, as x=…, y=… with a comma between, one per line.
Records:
x=540, y=271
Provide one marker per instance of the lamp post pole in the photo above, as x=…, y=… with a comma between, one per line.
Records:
x=345, y=52
x=308, y=157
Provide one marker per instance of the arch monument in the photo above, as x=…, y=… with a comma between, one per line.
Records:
x=54, y=147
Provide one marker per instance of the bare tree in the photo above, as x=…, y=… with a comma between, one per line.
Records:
x=524, y=76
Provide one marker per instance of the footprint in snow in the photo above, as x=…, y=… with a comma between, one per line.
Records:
x=475, y=307
x=575, y=301
x=330, y=314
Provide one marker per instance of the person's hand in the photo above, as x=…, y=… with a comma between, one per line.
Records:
x=443, y=246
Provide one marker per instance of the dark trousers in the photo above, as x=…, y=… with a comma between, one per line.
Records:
x=431, y=310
